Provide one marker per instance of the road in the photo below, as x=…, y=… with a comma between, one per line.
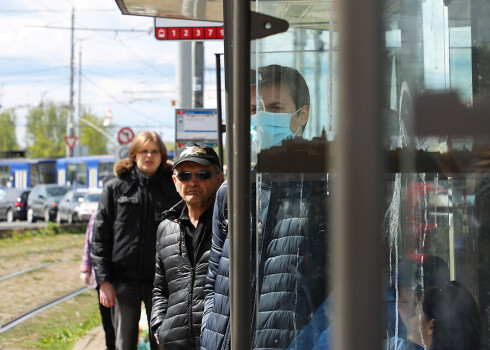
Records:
x=20, y=224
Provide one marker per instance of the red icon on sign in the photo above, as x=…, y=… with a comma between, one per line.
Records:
x=71, y=141
x=173, y=33
x=125, y=136
x=221, y=33
x=186, y=33
x=210, y=33
x=198, y=33
x=189, y=33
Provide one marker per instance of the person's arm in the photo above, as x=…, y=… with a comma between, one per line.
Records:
x=160, y=288
x=101, y=247
x=220, y=232
x=86, y=265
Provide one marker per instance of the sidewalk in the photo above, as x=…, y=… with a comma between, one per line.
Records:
x=93, y=340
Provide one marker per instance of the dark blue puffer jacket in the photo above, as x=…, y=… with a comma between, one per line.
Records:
x=215, y=322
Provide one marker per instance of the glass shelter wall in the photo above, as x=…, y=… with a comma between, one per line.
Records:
x=436, y=83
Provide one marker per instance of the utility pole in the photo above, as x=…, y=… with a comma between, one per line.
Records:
x=198, y=74
x=69, y=124
x=79, y=127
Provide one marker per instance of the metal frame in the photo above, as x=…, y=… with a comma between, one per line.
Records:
x=358, y=166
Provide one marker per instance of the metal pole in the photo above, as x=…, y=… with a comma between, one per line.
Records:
x=198, y=74
x=358, y=167
x=69, y=124
x=218, y=108
x=79, y=128
x=240, y=264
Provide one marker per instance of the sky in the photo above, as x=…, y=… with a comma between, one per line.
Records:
x=130, y=73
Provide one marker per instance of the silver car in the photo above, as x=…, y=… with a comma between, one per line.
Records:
x=69, y=207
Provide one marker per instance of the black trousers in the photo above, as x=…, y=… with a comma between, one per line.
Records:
x=105, y=314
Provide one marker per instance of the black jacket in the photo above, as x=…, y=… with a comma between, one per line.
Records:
x=178, y=297
x=130, y=209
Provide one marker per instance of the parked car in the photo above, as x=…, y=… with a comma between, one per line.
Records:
x=13, y=202
x=43, y=200
x=69, y=206
x=88, y=206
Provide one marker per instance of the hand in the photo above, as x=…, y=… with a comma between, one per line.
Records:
x=107, y=294
x=85, y=276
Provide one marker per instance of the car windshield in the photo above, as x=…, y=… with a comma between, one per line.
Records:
x=93, y=197
x=78, y=197
x=57, y=191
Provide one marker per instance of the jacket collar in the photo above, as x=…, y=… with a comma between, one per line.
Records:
x=175, y=212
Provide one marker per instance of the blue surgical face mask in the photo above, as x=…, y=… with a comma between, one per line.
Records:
x=270, y=129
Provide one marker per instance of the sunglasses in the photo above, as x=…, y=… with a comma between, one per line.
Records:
x=201, y=175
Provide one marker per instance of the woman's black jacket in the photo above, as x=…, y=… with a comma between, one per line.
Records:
x=130, y=209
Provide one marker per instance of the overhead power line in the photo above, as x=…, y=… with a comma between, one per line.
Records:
x=149, y=31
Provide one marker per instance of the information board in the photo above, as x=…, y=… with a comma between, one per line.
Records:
x=196, y=125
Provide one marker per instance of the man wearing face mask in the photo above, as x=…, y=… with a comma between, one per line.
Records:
x=280, y=109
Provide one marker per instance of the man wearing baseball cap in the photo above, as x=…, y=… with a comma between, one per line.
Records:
x=183, y=245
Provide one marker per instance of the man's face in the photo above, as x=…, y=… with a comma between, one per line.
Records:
x=277, y=99
x=148, y=158
x=197, y=194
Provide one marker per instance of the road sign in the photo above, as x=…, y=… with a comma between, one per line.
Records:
x=108, y=117
x=125, y=136
x=182, y=29
x=71, y=141
x=122, y=152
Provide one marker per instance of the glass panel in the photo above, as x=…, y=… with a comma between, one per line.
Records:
x=71, y=170
x=34, y=175
x=293, y=107
x=433, y=222
x=105, y=169
x=47, y=173
x=436, y=222
x=4, y=175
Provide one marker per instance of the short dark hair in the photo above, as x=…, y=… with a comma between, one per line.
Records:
x=287, y=76
x=457, y=320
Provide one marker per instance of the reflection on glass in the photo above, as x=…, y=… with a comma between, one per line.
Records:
x=436, y=226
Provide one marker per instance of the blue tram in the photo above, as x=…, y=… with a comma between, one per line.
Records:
x=84, y=172
x=27, y=172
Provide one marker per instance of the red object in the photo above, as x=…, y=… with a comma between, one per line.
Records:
x=161, y=33
x=71, y=141
x=210, y=33
x=125, y=136
x=221, y=33
x=19, y=204
x=185, y=33
x=198, y=33
x=173, y=33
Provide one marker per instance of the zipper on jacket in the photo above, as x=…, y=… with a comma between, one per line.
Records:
x=191, y=323
x=143, y=226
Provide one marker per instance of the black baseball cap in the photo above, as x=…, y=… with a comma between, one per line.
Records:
x=199, y=153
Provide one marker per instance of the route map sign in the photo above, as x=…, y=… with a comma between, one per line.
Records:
x=196, y=125
x=183, y=29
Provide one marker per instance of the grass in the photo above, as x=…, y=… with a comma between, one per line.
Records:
x=58, y=328
x=64, y=324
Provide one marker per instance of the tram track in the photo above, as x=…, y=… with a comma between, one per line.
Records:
x=11, y=324
x=29, y=269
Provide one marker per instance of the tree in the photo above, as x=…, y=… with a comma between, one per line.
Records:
x=96, y=142
x=46, y=129
x=8, y=142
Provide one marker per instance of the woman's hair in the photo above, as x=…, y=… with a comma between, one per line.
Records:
x=141, y=140
x=456, y=317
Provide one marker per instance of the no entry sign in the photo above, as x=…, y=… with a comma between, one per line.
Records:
x=125, y=136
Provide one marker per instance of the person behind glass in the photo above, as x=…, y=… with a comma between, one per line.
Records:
x=183, y=245
x=280, y=109
x=447, y=319
x=85, y=274
x=123, y=245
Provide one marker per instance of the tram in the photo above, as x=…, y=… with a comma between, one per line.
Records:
x=390, y=170
x=84, y=172
x=26, y=173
